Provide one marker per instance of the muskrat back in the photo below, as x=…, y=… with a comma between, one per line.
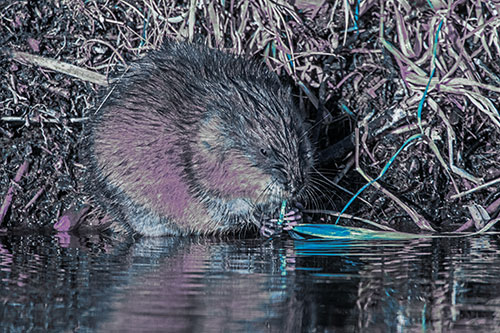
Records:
x=193, y=140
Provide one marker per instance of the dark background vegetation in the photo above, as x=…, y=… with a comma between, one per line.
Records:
x=356, y=65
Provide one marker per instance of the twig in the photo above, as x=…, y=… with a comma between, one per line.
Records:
x=490, y=209
x=344, y=171
x=35, y=197
x=33, y=120
x=348, y=216
x=62, y=67
x=477, y=188
x=10, y=192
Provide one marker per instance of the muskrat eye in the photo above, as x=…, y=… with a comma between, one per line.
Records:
x=263, y=152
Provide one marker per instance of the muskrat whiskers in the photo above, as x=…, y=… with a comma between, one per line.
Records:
x=314, y=200
x=314, y=179
x=321, y=184
x=328, y=200
x=316, y=186
x=307, y=197
x=327, y=180
x=325, y=172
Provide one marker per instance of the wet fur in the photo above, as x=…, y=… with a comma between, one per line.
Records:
x=176, y=147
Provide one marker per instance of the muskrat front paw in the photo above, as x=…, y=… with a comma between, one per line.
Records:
x=270, y=226
x=269, y=229
x=292, y=218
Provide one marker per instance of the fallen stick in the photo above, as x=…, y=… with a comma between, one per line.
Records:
x=62, y=67
x=490, y=209
x=10, y=192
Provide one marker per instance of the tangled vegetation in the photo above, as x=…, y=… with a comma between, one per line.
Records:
x=373, y=76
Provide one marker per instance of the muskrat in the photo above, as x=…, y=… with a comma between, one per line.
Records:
x=193, y=140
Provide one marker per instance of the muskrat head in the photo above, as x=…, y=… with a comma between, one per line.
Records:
x=252, y=145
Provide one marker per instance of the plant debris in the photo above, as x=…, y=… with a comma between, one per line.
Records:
x=369, y=75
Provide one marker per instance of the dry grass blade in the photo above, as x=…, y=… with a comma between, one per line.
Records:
x=62, y=67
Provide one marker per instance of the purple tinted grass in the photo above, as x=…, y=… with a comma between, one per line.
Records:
x=372, y=77
x=10, y=193
x=64, y=224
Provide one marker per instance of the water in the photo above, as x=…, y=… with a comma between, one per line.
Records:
x=212, y=285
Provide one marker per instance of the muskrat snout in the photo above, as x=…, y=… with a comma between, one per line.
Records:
x=291, y=187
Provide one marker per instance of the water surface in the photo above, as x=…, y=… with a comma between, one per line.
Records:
x=211, y=285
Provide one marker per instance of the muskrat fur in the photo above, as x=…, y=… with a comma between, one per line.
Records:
x=192, y=140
